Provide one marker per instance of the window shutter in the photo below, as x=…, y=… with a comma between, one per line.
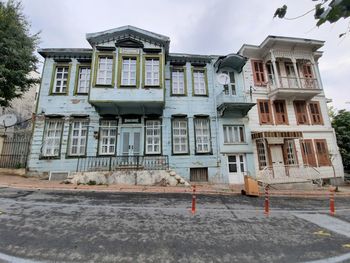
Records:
x=307, y=72
x=322, y=152
x=264, y=112
x=258, y=72
x=300, y=112
x=280, y=112
x=308, y=152
x=315, y=111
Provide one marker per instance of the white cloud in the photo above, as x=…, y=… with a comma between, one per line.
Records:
x=197, y=26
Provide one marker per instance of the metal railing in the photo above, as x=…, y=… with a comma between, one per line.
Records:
x=14, y=161
x=112, y=163
x=226, y=98
x=292, y=83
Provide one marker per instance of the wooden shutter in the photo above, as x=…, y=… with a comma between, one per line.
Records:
x=301, y=112
x=264, y=110
x=307, y=71
x=322, y=152
x=308, y=153
x=315, y=112
x=281, y=116
x=258, y=72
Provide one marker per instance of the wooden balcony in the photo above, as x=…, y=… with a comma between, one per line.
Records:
x=293, y=88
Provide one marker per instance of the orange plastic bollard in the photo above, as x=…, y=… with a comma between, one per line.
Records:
x=267, y=202
x=331, y=203
x=194, y=200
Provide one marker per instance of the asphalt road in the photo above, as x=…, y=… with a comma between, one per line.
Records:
x=41, y=226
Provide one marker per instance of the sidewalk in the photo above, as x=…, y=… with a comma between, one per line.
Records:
x=20, y=182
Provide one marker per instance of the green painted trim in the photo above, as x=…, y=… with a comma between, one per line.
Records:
x=97, y=56
x=40, y=88
x=77, y=70
x=56, y=65
x=160, y=72
x=173, y=68
x=172, y=137
x=68, y=155
x=161, y=136
x=120, y=65
x=204, y=69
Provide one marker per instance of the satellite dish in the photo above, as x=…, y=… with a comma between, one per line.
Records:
x=223, y=79
x=8, y=120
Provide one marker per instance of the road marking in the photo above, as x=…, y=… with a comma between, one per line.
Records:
x=322, y=233
x=328, y=222
x=342, y=258
x=12, y=259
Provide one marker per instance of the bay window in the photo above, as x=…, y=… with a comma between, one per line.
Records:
x=233, y=134
x=129, y=71
x=105, y=70
x=152, y=71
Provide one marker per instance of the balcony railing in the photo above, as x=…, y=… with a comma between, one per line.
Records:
x=225, y=98
x=112, y=163
x=292, y=83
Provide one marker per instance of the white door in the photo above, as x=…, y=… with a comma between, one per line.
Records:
x=131, y=141
x=277, y=161
x=236, y=168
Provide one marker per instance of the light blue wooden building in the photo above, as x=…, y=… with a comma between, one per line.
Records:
x=130, y=103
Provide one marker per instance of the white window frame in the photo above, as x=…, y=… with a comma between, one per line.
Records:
x=52, y=138
x=291, y=154
x=153, y=136
x=154, y=71
x=62, y=88
x=240, y=162
x=84, y=77
x=202, y=135
x=105, y=74
x=180, y=135
x=178, y=77
x=106, y=145
x=230, y=89
x=232, y=134
x=199, y=82
x=81, y=137
x=127, y=71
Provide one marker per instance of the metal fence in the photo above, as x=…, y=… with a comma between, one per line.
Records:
x=112, y=163
x=15, y=150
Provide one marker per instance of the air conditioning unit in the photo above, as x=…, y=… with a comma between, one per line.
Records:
x=58, y=175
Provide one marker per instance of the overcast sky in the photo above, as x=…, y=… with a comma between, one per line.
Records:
x=197, y=26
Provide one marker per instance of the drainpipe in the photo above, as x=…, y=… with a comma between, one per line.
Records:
x=216, y=120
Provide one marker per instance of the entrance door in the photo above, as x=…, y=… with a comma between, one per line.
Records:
x=277, y=161
x=236, y=168
x=131, y=141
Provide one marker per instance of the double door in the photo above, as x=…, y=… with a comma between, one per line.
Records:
x=131, y=141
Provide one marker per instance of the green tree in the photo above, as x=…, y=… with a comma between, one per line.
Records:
x=324, y=11
x=17, y=56
x=341, y=125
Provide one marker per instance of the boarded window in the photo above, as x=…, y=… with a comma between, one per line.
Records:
x=265, y=114
x=315, y=112
x=258, y=72
x=281, y=116
x=308, y=153
x=322, y=152
x=301, y=112
x=199, y=174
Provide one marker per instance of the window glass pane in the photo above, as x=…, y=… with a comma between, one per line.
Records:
x=78, y=137
x=61, y=78
x=52, y=137
x=153, y=137
x=180, y=144
x=104, y=71
x=202, y=135
x=108, y=132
